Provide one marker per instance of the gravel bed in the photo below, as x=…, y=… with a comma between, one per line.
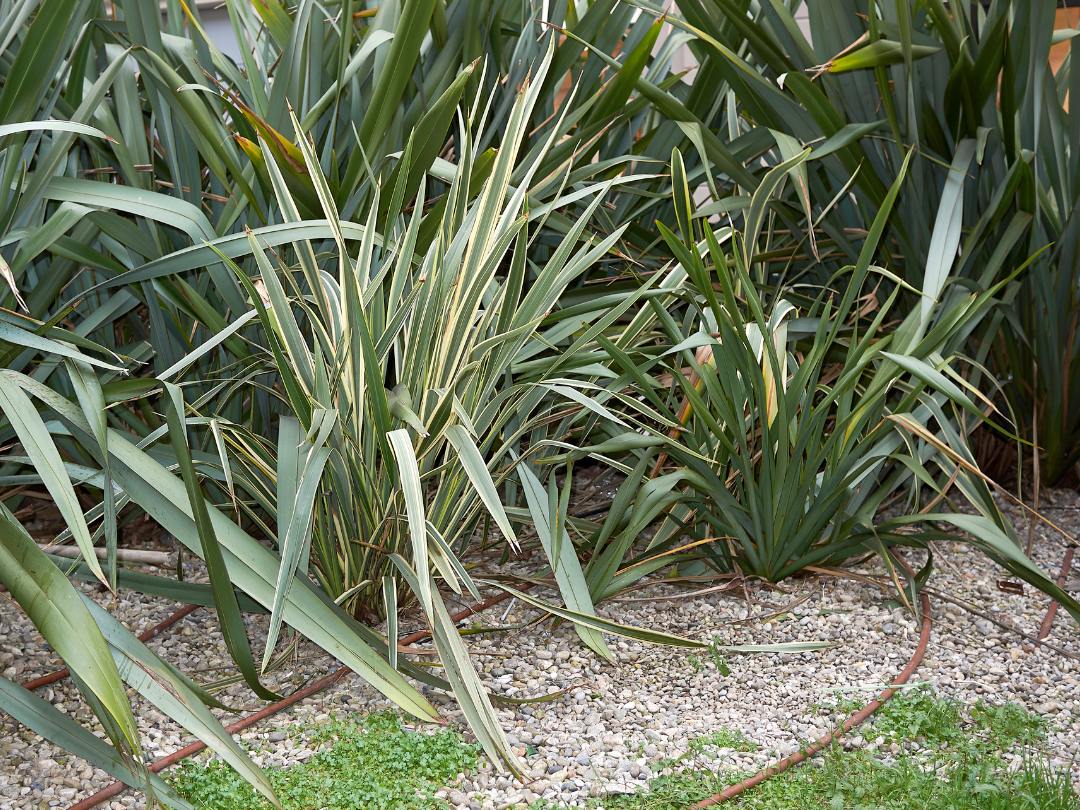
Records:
x=615, y=725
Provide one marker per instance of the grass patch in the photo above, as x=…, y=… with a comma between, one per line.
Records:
x=675, y=790
x=856, y=779
x=1007, y=725
x=705, y=744
x=724, y=738
x=950, y=758
x=913, y=715
x=984, y=729
x=366, y=763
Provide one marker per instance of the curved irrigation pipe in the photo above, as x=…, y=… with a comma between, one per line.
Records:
x=857, y=719
x=146, y=635
x=161, y=763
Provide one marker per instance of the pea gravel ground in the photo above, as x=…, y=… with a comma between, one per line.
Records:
x=612, y=726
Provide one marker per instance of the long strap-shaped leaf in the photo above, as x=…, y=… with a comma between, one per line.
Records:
x=174, y=695
x=184, y=591
x=233, y=246
x=45, y=719
x=35, y=64
x=409, y=478
x=159, y=207
x=51, y=126
x=655, y=636
x=480, y=476
x=39, y=446
x=565, y=564
x=12, y=333
x=228, y=611
x=92, y=401
x=470, y=692
x=394, y=76
x=54, y=606
x=294, y=522
x=946, y=236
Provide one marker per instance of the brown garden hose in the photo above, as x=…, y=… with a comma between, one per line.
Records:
x=146, y=635
x=857, y=719
x=161, y=763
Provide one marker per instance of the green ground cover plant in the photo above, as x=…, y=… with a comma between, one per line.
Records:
x=368, y=762
x=950, y=757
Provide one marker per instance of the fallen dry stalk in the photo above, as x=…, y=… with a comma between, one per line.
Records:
x=160, y=559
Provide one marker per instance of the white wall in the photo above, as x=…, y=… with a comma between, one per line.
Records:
x=219, y=29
